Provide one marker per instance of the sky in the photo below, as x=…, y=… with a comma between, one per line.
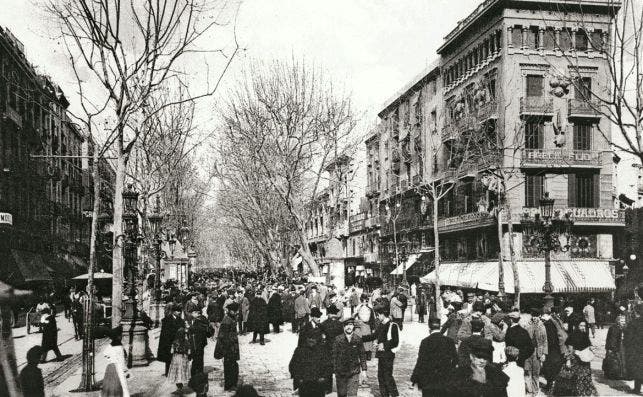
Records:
x=371, y=48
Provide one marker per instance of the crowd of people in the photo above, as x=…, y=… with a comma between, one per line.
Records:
x=477, y=344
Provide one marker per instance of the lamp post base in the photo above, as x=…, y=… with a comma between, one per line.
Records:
x=549, y=301
x=135, y=337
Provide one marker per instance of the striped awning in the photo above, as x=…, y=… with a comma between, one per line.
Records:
x=409, y=262
x=566, y=276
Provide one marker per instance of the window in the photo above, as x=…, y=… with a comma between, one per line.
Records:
x=583, y=88
x=534, y=186
x=565, y=39
x=595, y=40
x=550, y=39
x=581, y=40
x=534, y=135
x=583, y=190
x=535, y=86
x=516, y=36
x=582, y=136
x=532, y=38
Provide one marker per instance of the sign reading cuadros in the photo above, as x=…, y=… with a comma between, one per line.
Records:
x=6, y=218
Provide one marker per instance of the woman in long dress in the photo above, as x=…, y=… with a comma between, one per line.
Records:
x=179, y=372
x=614, y=364
x=575, y=376
x=115, y=379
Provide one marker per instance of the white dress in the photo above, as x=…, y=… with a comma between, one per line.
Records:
x=115, y=355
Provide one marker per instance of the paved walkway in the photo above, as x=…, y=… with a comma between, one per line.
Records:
x=265, y=367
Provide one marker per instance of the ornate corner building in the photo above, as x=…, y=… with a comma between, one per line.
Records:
x=505, y=114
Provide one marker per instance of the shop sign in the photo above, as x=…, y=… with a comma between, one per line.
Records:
x=462, y=220
x=6, y=218
x=555, y=157
x=586, y=214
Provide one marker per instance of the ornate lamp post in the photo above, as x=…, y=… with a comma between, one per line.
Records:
x=156, y=221
x=546, y=231
x=404, y=248
x=134, y=330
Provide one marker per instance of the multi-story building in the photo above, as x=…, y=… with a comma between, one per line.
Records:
x=41, y=182
x=510, y=92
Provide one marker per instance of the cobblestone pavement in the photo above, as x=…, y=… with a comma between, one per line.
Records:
x=265, y=367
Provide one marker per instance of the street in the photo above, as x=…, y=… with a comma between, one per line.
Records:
x=264, y=367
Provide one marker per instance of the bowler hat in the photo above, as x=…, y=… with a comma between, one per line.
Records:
x=315, y=312
x=482, y=348
x=348, y=320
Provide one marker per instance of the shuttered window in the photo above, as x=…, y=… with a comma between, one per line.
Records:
x=582, y=136
x=535, y=87
x=583, y=88
x=584, y=190
x=534, y=186
x=534, y=135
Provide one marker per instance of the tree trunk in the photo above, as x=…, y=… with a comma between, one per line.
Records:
x=304, y=251
x=436, y=244
x=117, y=251
x=9, y=384
x=501, y=267
x=512, y=255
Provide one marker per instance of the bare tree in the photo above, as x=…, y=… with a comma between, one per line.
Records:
x=132, y=52
x=292, y=124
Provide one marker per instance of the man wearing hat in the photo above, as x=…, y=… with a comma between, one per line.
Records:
x=518, y=337
x=633, y=340
x=479, y=378
x=332, y=327
x=228, y=343
x=169, y=325
x=302, y=310
x=538, y=334
x=436, y=361
x=311, y=324
x=349, y=360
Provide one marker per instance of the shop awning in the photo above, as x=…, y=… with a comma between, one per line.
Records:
x=30, y=265
x=566, y=276
x=409, y=262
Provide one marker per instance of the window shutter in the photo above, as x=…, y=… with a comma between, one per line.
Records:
x=597, y=190
x=571, y=191
x=541, y=135
x=538, y=189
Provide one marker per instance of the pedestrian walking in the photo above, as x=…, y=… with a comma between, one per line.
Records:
x=302, y=310
x=437, y=359
x=199, y=330
x=634, y=346
x=77, y=314
x=116, y=373
x=49, y=335
x=274, y=311
x=516, y=384
x=575, y=376
x=388, y=339
x=421, y=305
x=397, y=310
x=479, y=379
x=258, y=318
x=245, y=311
x=179, y=371
x=590, y=317
x=365, y=324
x=519, y=338
x=556, y=337
x=288, y=306
x=354, y=300
x=169, y=325
x=31, y=380
x=614, y=362
x=314, y=300
x=538, y=334
x=305, y=362
x=349, y=360
x=331, y=328
x=228, y=347
x=464, y=350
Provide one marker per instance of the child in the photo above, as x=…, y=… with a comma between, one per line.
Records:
x=31, y=379
x=179, y=372
x=115, y=379
x=516, y=385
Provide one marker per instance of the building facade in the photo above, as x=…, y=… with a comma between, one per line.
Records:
x=502, y=117
x=41, y=181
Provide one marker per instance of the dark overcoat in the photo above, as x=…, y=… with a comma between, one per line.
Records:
x=462, y=384
x=518, y=337
x=258, y=316
x=634, y=348
x=228, y=338
x=274, y=310
x=200, y=331
x=287, y=308
x=169, y=326
x=420, y=303
x=50, y=333
x=435, y=364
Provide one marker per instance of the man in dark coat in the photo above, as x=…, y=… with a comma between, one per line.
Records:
x=274, y=311
x=331, y=328
x=228, y=341
x=304, y=365
x=349, y=360
x=518, y=337
x=464, y=349
x=31, y=380
x=198, y=332
x=554, y=358
x=480, y=378
x=421, y=305
x=436, y=361
x=288, y=306
x=169, y=325
x=258, y=318
x=634, y=348
x=49, y=335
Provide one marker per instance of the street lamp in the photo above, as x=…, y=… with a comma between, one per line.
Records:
x=393, y=218
x=545, y=231
x=156, y=221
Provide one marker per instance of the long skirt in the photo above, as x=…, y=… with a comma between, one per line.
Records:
x=179, y=371
x=114, y=383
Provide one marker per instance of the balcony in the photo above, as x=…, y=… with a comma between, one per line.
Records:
x=536, y=106
x=560, y=158
x=579, y=108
